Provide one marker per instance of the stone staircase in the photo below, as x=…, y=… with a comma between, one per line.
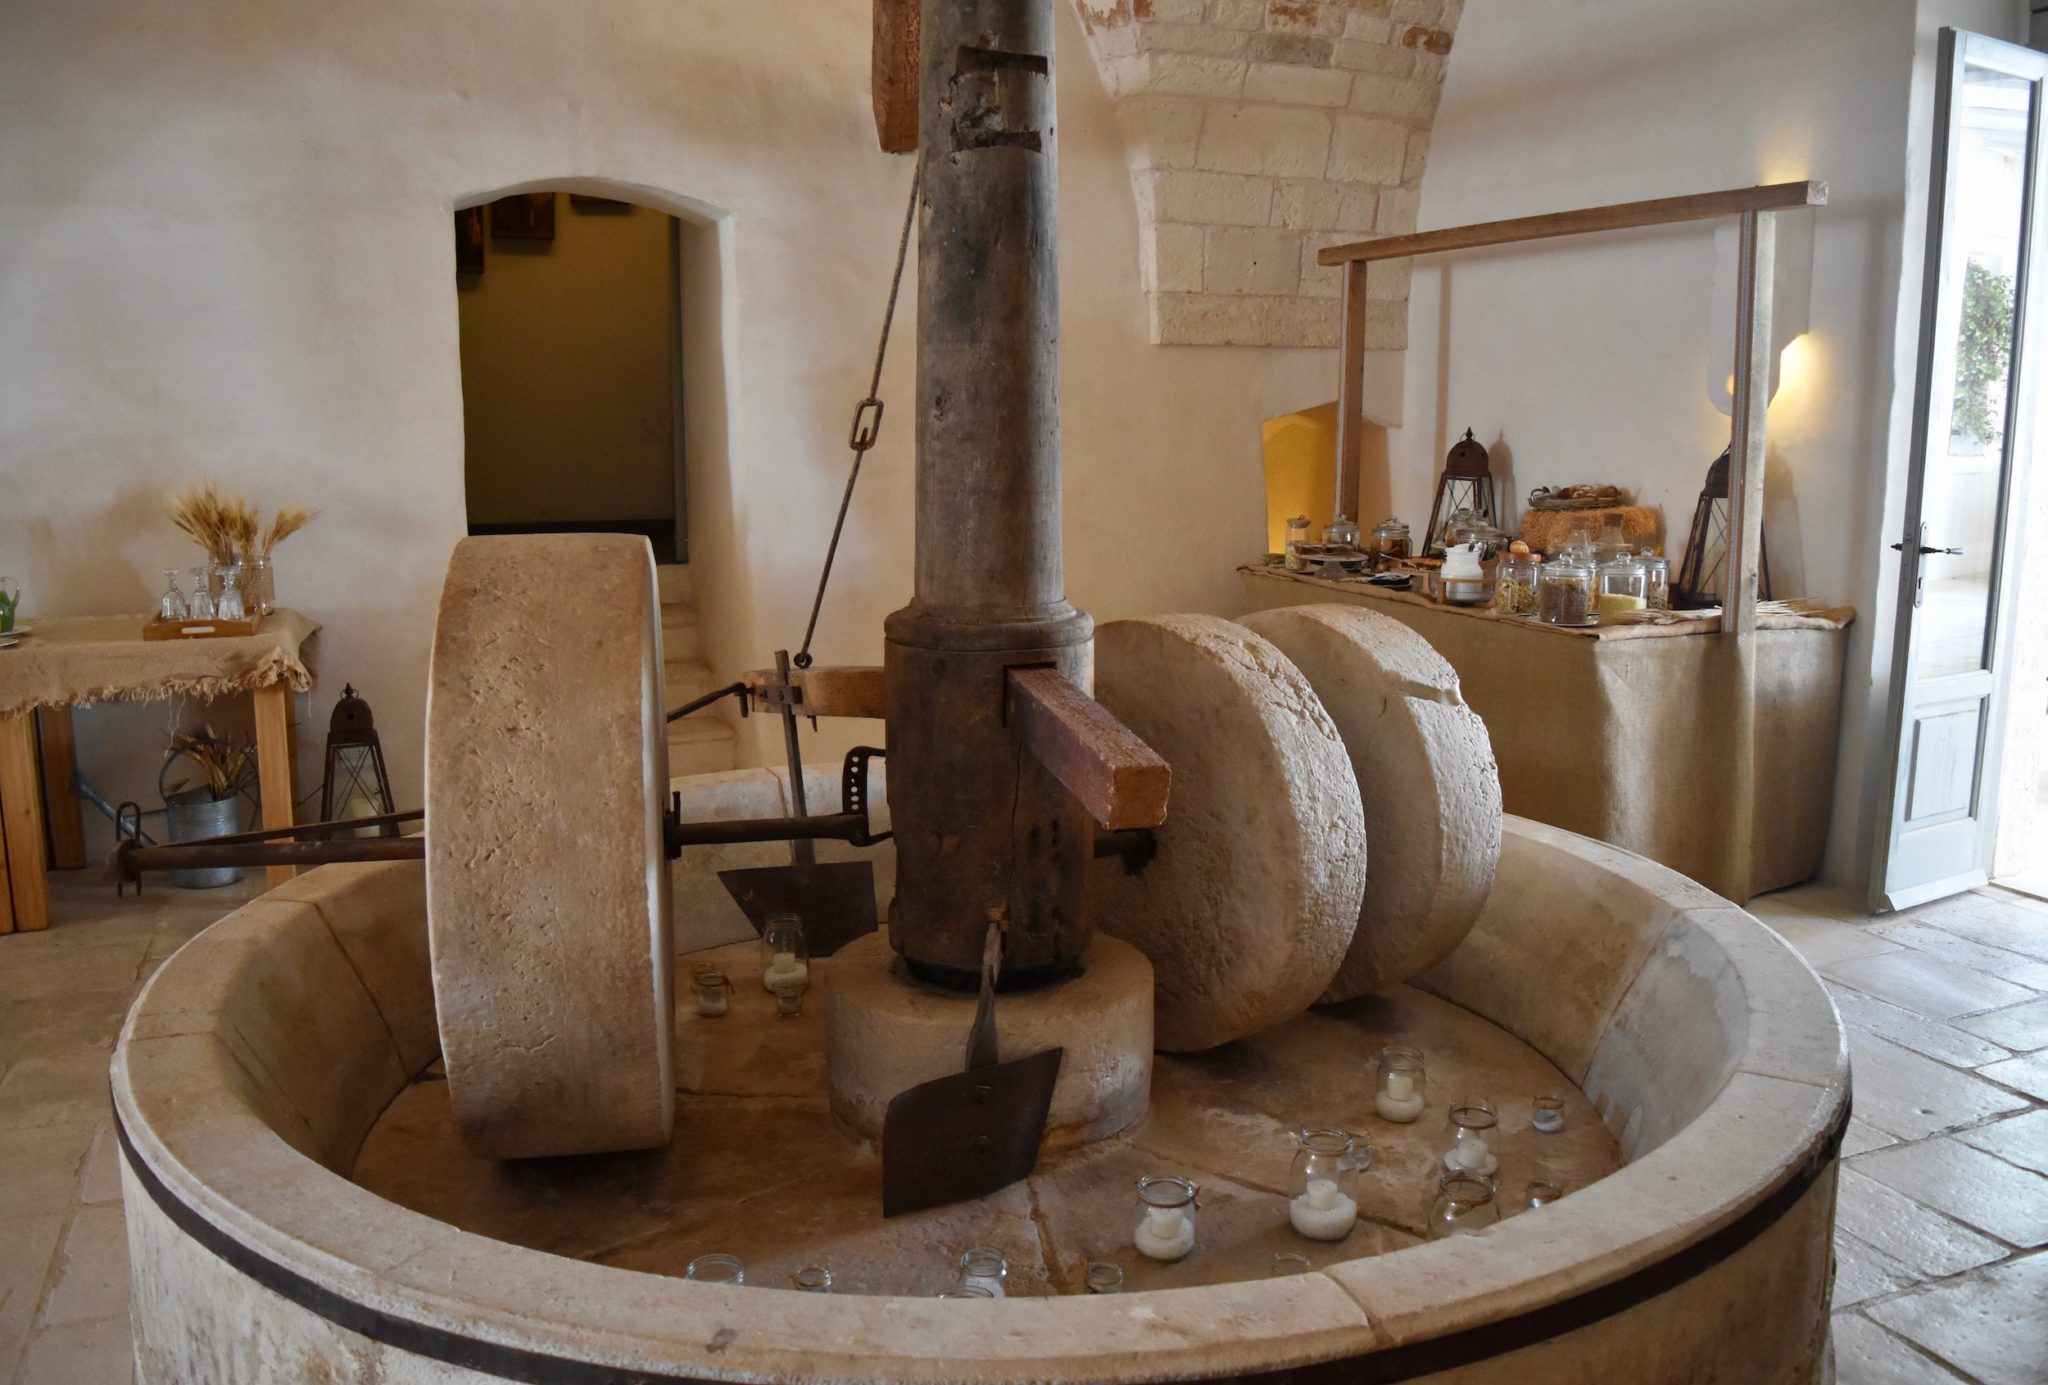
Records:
x=704, y=742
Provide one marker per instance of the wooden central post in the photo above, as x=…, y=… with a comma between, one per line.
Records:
x=982, y=830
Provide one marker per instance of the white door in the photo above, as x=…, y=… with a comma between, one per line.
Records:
x=1974, y=403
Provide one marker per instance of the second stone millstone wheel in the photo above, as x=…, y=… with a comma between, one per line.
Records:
x=1248, y=908
x=547, y=887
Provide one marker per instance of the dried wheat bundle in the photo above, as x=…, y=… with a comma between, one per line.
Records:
x=224, y=766
x=288, y=520
x=229, y=528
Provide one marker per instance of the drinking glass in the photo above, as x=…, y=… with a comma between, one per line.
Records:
x=230, y=606
x=199, y=606
x=171, y=605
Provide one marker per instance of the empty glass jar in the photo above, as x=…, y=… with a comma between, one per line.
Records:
x=984, y=1268
x=1104, y=1278
x=1341, y=533
x=1542, y=1194
x=785, y=957
x=1472, y=1125
x=1399, y=1098
x=1324, y=1201
x=1286, y=1262
x=716, y=1269
x=1564, y=592
x=1166, y=1217
x=1465, y=1204
x=813, y=1279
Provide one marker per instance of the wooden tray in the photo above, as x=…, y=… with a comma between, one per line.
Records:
x=198, y=629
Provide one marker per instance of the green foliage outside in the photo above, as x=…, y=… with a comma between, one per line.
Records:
x=1982, y=355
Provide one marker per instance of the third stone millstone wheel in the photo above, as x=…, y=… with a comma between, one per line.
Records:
x=547, y=885
x=1249, y=907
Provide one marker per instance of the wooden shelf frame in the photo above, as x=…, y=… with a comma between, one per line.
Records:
x=1756, y=209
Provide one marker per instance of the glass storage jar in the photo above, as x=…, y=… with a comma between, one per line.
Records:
x=1465, y=1204
x=1514, y=584
x=1656, y=581
x=785, y=957
x=714, y=994
x=1623, y=588
x=1390, y=540
x=1166, y=1217
x=1341, y=533
x=1324, y=1201
x=984, y=1268
x=1473, y=1122
x=1399, y=1095
x=1564, y=592
x=1297, y=535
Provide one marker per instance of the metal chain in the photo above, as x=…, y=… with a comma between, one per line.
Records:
x=867, y=421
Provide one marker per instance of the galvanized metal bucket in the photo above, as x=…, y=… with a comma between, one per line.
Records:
x=193, y=816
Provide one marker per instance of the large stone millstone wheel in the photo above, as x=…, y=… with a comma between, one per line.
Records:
x=1425, y=766
x=547, y=888
x=1248, y=909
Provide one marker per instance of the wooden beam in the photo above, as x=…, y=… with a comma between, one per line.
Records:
x=1755, y=262
x=1351, y=391
x=60, y=762
x=855, y=691
x=1660, y=211
x=274, y=769
x=894, y=75
x=1119, y=779
x=21, y=820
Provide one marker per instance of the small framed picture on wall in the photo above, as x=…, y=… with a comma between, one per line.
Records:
x=524, y=216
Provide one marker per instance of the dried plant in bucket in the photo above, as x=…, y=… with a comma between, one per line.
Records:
x=217, y=764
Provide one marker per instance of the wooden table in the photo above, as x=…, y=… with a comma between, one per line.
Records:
x=1621, y=732
x=79, y=660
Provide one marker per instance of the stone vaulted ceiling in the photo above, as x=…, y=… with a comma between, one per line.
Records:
x=1259, y=131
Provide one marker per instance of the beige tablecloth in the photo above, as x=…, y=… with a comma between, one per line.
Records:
x=74, y=661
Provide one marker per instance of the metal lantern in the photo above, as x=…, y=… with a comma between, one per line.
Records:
x=1702, y=576
x=1466, y=484
x=355, y=761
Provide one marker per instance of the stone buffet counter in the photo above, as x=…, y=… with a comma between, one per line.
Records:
x=1620, y=732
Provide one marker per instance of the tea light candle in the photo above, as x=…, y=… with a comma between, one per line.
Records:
x=1472, y=1155
x=1165, y=1233
x=1399, y=1102
x=1322, y=1212
x=785, y=969
x=711, y=1002
x=1547, y=1115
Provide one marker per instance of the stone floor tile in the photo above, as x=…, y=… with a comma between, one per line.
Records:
x=1989, y=1323
x=64, y=1020
x=35, y=968
x=85, y=1353
x=2013, y=927
x=1928, y=1244
x=39, y=1167
x=1904, y=1094
x=1926, y=985
x=2021, y=1140
x=2023, y=1027
x=92, y=1268
x=27, y=1246
x=1862, y=1137
x=1862, y=1271
x=1866, y=1354
x=2028, y=1074
x=1940, y=1041
x=1813, y=901
x=56, y=1088
x=1968, y=1184
x=100, y=1181
x=1824, y=940
x=1954, y=949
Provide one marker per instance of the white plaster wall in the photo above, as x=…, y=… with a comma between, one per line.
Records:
x=225, y=251
x=1591, y=359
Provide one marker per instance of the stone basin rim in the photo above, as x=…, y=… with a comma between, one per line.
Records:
x=1773, y=1126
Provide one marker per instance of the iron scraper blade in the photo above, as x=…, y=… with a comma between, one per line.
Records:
x=961, y=1137
x=836, y=901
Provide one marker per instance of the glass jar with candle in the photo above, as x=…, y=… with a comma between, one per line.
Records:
x=1465, y=1204
x=813, y=1279
x=1546, y=1114
x=1514, y=585
x=1297, y=535
x=964, y=1291
x=1390, y=541
x=1104, y=1278
x=1656, y=581
x=1399, y=1098
x=714, y=993
x=1472, y=1125
x=1623, y=589
x=1286, y=1262
x=789, y=997
x=1564, y=592
x=1324, y=1201
x=1462, y=580
x=984, y=1268
x=1542, y=1194
x=785, y=957
x=1166, y=1217
x=716, y=1269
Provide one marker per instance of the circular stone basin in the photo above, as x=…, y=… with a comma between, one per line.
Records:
x=293, y=1045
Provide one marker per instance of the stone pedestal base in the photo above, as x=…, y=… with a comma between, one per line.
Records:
x=885, y=1032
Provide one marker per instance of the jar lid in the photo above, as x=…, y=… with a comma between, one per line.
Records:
x=1391, y=525
x=1565, y=563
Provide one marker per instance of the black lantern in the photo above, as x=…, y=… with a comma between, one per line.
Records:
x=1702, y=577
x=1466, y=485
x=355, y=761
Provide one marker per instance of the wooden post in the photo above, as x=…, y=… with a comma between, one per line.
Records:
x=273, y=703
x=21, y=821
x=1351, y=390
x=983, y=831
x=893, y=74
x=60, y=764
x=1754, y=270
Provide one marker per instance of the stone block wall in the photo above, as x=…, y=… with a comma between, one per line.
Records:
x=1260, y=131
